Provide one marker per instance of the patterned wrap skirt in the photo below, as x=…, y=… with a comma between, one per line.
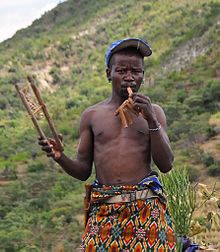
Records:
x=138, y=225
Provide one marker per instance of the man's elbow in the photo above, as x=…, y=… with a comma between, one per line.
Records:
x=81, y=175
x=85, y=173
x=84, y=177
x=166, y=166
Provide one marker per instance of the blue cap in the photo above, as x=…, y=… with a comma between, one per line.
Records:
x=118, y=45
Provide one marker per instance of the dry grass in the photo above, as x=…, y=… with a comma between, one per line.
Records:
x=210, y=238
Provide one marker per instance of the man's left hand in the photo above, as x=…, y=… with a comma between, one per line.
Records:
x=143, y=104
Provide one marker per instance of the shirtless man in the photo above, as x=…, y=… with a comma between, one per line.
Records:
x=121, y=156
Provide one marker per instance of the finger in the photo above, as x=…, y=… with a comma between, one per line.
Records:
x=142, y=96
x=51, y=141
x=47, y=149
x=142, y=99
x=136, y=108
x=60, y=137
x=51, y=154
x=132, y=95
x=139, y=106
x=43, y=142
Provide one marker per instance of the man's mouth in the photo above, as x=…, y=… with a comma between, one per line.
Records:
x=132, y=85
x=124, y=88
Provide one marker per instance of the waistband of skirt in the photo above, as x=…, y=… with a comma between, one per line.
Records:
x=152, y=183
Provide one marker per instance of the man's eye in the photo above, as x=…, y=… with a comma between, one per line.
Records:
x=137, y=71
x=120, y=71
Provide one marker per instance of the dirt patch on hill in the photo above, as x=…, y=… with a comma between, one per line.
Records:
x=212, y=146
x=188, y=51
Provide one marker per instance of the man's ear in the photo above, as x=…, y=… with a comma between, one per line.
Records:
x=108, y=74
x=142, y=82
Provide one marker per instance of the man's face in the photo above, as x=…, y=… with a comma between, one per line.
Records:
x=125, y=71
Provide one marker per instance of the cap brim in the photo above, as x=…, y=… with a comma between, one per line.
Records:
x=140, y=45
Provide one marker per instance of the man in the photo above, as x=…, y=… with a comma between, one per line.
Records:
x=127, y=207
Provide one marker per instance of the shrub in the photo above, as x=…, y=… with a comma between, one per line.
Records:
x=36, y=167
x=42, y=202
x=174, y=111
x=214, y=169
x=56, y=74
x=9, y=172
x=21, y=156
x=207, y=159
x=193, y=174
x=211, y=96
x=195, y=103
x=181, y=95
x=3, y=102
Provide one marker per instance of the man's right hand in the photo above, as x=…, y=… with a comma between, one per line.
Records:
x=50, y=147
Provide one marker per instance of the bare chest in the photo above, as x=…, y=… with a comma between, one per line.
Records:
x=107, y=127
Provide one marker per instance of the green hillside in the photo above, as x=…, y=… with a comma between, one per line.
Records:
x=41, y=207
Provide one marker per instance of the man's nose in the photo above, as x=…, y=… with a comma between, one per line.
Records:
x=129, y=76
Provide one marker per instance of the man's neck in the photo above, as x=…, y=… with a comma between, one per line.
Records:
x=117, y=100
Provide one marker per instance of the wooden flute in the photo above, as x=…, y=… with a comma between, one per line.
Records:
x=124, y=110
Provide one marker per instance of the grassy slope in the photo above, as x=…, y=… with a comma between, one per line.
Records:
x=65, y=50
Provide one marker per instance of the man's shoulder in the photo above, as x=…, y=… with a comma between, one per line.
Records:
x=90, y=114
x=160, y=114
x=157, y=107
x=94, y=109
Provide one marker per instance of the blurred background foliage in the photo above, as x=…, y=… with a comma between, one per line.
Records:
x=41, y=207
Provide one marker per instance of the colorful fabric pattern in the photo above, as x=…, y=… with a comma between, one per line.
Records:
x=140, y=225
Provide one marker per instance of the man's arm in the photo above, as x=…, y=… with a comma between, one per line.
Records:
x=81, y=167
x=159, y=142
x=160, y=145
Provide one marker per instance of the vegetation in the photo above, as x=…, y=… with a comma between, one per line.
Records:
x=185, y=201
x=41, y=207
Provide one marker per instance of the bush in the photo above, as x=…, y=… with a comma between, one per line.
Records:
x=42, y=202
x=14, y=240
x=56, y=74
x=36, y=167
x=193, y=174
x=195, y=103
x=181, y=95
x=9, y=172
x=3, y=102
x=174, y=111
x=21, y=156
x=207, y=159
x=211, y=96
x=214, y=169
